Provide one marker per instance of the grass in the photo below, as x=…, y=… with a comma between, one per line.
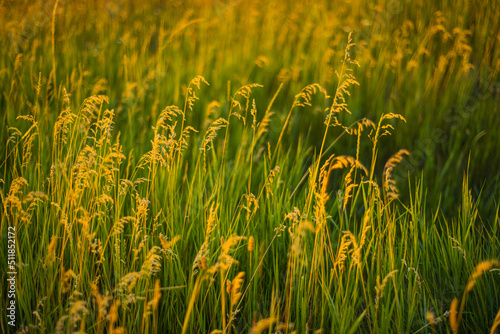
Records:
x=251, y=166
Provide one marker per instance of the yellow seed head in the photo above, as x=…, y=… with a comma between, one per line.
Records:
x=496, y=323
x=251, y=244
x=52, y=247
x=235, y=288
x=430, y=317
x=156, y=295
x=453, y=315
x=262, y=325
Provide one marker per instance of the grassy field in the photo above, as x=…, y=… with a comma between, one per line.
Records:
x=250, y=166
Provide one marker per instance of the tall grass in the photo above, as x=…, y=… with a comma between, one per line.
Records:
x=181, y=173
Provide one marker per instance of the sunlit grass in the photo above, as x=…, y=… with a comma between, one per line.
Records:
x=243, y=167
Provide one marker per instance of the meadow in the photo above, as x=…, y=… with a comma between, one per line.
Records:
x=250, y=166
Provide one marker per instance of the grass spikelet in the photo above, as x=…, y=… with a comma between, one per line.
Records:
x=479, y=270
x=63, y=217
x=251, y=206
x=164, y=143
x=28, y=139
x=67, y=280
x=357, y=251
x=333, y=163
x=348, y=194
x=453, y=315
x=362, y=125
x=182, y=142
x=102, y=304
x=496, y=323
x=60, y=324
x=51, y=256
x=263, y=125
x=152, y=264
x=77, y=313
x=104, y=127
x=345, y=161
x=83, y=171
x=96, y=247
x=346, y=79
x=270, y=180
x=319, y=208
x=127, y=283
x=418, y=279
x=253, y=112
x=119, y=226
x=294, y=216
x=90, y=109
x=142, y=208
x=18, y=62
x=166, y=244
x=390, y=189
x=14, y=136
x=262, y=325
x=393, y=116
x=113, y=316
x=210, y=110
x=203, y=252
x=375, y=187
x=345, y=242
x=246, y=90
x=251, y=244
x=235, y=288
x=225, y=260
x=305, y=96
x=458, y=247
x=430, y=318
x=302, y=99
x=387, y=128
x=190, y=93
x=375, y=137
x=298, y=234
x=210, y=135
x=227, y=248
x=100, y=86
x=12, y=200
x=381, y=286
x=16, y=186
x=243, y=92
x=353, y=240
x=224, y=263
x=105, y=198
x=203, y=263
x=156, y=295
x=442, y=317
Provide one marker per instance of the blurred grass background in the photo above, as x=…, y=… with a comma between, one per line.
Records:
x=435, y=63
